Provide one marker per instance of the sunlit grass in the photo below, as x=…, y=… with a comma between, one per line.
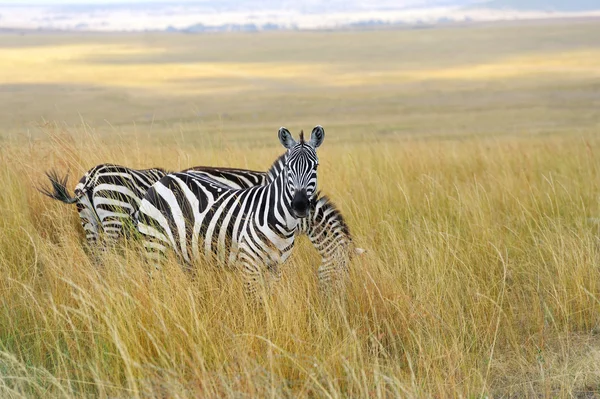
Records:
x=481, y=278
x=464, y=160
x=524, y=79
x=77, y=64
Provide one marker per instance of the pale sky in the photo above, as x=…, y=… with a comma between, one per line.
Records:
x=60, y=2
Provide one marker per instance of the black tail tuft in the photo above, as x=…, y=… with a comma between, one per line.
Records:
x=59, y=189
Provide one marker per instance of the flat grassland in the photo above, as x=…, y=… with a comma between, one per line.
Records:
x=465, y=159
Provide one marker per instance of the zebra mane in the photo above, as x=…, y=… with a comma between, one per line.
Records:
x=301, y=136
x=163, y=170
x=277, y=166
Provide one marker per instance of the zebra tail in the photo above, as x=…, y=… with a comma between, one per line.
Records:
x=59, y=189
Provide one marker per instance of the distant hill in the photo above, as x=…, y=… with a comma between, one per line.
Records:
x=544, y=5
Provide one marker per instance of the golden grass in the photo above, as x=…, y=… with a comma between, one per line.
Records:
x=78, y=64
x=481, y=279
x=464, y=160
x=453, y=81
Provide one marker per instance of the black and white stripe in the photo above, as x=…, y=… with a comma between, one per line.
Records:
x=254, y=227
x=330, y=235
x=325, y=226
x=107, y=197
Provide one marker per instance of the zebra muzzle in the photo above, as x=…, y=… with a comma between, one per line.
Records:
x=300, y=204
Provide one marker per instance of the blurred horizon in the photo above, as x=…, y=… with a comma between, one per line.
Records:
x=264, y=15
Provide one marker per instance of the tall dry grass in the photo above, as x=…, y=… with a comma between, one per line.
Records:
x=481, y=278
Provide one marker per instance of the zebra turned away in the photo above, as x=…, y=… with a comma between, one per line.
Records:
x=252, y=227
x=107, y=196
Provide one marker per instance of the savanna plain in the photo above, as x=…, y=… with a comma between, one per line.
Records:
x=465, y=159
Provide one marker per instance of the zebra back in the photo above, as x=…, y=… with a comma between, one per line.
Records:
x=235, y=178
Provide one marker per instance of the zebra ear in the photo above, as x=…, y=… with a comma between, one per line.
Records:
x=285, y=137
x=317, y=136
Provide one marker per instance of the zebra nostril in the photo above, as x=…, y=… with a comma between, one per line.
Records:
x=300, y=202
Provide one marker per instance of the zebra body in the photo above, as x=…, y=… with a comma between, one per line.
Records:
x=253, y=227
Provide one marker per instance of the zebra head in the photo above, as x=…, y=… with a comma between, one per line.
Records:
x=301, y=169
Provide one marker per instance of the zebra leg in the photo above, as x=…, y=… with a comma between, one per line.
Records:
x=154, y=252
x=254, y=276
x=253, y=280
x=89, y=221
x=113, y=229
x=333, y=269
x=91, y=227
x=274, y=270
x=154, y=241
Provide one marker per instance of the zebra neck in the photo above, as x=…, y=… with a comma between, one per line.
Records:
x=277, y=167
x=279, y=202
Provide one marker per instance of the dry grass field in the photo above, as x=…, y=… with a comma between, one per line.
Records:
x=466, y=160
